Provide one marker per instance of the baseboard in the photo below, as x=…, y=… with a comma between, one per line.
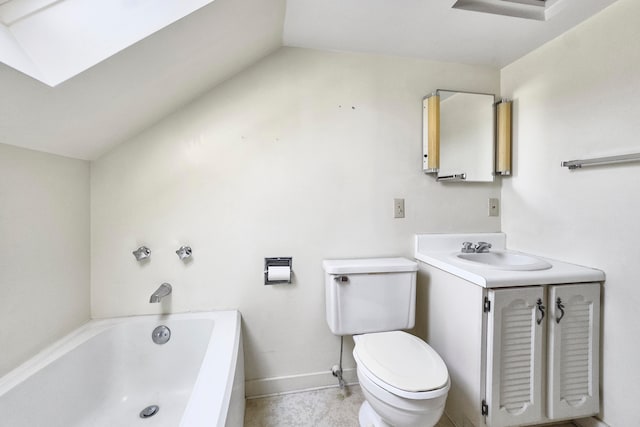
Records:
x=293, y=383
x=589, y=422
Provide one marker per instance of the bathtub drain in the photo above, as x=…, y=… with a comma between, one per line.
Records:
x=149, y=411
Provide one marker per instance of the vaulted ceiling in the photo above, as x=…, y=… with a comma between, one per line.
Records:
x=109, y=102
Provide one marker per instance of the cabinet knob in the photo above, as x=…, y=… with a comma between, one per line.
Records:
x=560, y=307
x=541, y=309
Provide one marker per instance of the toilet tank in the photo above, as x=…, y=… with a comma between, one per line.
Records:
x=370, y=295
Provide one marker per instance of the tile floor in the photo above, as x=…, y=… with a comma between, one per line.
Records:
x=327, y=407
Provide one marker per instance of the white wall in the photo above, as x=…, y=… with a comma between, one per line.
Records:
x=577, y=97
x=300, y=155
x=44, y=250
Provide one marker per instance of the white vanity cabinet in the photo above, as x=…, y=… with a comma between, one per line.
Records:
x=513, y=357
x=573, y=348
x=541, y=353
x=514, y=368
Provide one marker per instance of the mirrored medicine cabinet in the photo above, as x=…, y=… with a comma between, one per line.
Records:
x=466, y=136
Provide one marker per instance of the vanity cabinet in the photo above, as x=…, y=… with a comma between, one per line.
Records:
x=535, y=333
x=517, y=355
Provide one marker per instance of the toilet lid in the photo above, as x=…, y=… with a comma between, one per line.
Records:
x=402, y=361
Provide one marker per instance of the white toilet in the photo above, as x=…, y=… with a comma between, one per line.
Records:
x=404, y=381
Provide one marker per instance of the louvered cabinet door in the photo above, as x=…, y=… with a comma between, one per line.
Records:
x=573, y=361
x=515, y=327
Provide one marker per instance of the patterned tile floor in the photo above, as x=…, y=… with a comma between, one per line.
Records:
x=327, y=407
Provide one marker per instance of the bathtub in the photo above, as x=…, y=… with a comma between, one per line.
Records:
x=108, y=371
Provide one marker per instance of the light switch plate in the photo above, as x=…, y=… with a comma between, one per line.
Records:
x=494, y=207
x=398, y=208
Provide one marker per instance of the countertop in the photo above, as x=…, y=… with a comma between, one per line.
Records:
x=439, y=251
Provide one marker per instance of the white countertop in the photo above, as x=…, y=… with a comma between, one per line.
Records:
x=439, y=251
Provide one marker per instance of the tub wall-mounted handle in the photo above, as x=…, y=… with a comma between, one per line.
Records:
x=142, y=253
x=184, y=252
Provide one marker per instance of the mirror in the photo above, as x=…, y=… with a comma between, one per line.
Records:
x=458, y=136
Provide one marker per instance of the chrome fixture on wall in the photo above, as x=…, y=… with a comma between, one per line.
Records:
x=142, y=253
x=184, y=252
x=162, y=291
x=623, y=158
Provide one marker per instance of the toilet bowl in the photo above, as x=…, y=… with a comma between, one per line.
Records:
x=404, y=381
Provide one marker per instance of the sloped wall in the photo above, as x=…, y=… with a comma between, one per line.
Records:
x=300, y=155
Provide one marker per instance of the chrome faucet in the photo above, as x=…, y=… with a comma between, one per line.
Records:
x=161, y=292
x=467, y=248
x=482, y=247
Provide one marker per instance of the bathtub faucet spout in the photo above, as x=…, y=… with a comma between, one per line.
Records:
x=161, y=292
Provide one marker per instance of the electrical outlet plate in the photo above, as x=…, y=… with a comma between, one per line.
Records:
x=398, y=208
x=494, y=207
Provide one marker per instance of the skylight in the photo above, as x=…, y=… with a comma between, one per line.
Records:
x=54, y=40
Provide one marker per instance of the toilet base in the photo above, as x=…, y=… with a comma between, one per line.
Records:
x=385, y=409
x=369, y=418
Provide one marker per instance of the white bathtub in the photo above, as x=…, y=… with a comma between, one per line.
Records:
x=107, y=371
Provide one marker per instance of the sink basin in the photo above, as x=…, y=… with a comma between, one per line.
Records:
x=503, y=260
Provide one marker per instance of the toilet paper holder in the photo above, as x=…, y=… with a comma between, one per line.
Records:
x=286, y=262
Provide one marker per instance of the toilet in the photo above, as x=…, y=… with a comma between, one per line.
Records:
x=405, y=382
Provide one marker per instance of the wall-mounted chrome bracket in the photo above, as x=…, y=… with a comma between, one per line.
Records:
x=577, y=164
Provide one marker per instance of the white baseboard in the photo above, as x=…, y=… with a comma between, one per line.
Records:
x=589, y=422
x=292, y=383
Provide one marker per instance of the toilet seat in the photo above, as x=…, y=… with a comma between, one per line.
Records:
x=402, y=364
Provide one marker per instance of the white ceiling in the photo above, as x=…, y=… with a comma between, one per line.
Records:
x=118, y=98
x=427, y=28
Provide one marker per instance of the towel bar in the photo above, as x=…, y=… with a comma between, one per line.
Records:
x=576, y=164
